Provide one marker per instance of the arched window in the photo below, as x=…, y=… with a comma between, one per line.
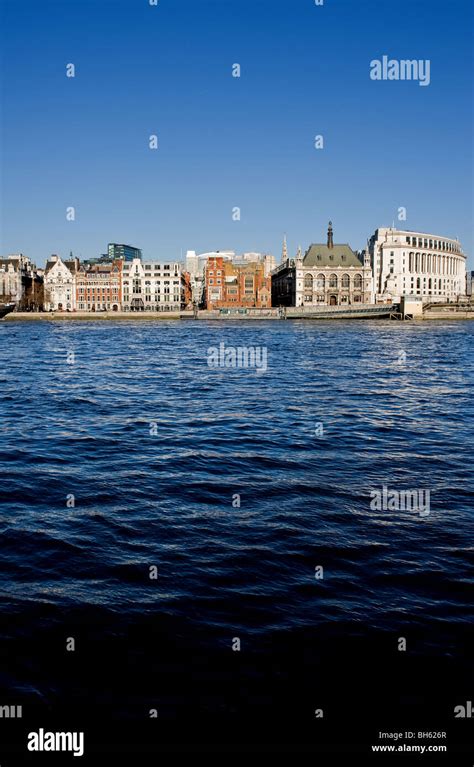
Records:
x=357, y=282
x=308, y=282
x=333, y=281
x=345, y=281
x=320, y=282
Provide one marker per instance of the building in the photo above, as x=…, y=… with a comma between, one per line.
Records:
x=416, y=263
x=123, y=252
x=99, y=287
x=232, y=285
x=153, y=286
x=266, y=259
x=20, y=282
x=60, y=284
x=194, y=266
x=469, y=283
x=327, y=275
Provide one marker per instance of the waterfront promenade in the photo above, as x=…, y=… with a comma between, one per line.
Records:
x=363, y=311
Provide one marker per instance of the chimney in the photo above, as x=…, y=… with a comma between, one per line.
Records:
x=330, y=240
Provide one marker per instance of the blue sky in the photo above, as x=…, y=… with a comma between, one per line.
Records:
x=229, y=142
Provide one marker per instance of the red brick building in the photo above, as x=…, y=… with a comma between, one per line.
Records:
x=229, y=285
x=99, y=287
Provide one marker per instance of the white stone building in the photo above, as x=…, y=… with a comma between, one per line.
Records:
x=60, y=284
x=153, y=286
x=17, y=275
x=415, y=263
x=194, y=265
x=328, y=274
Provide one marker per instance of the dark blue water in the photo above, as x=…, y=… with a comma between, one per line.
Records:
x=155, y=445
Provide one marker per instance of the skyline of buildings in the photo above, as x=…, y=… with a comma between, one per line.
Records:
x=394, y=264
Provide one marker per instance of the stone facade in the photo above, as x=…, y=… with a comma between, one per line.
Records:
x=328, y=275
x=153, y=286
x=20, y=283
x=60, y=284
x=415, y=263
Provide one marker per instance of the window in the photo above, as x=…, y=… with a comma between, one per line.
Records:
x=345, y=281
x=333, y=281
x=357, y=282
x=320, y=282
x=308, y=282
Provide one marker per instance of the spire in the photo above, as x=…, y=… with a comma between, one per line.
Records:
x=284, y=252
x=330, y=240
x=367, y=255
x=298, y=255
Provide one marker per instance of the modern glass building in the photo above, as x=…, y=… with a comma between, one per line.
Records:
x=123, y=252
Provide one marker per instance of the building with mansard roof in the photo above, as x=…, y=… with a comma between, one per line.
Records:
x=327, y=275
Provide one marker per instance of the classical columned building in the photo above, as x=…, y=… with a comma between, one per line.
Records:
x=327, y=275
x=416, y=263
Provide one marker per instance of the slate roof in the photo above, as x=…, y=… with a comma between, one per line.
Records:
x=319, y=255
x=71, y=265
